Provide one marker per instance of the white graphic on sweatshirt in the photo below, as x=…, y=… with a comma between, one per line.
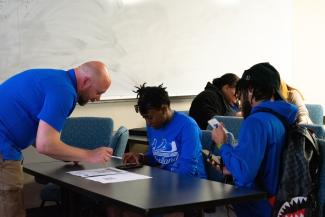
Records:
x=165, y=153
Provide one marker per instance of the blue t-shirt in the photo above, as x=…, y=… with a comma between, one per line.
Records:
x=38, y=94
x=177, y=146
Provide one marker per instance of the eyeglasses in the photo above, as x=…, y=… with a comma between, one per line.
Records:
x=136, y=108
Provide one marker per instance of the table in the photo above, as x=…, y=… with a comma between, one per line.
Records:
x=164, y=192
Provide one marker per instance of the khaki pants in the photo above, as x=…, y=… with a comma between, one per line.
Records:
x=11, y=189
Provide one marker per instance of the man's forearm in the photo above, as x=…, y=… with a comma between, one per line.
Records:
x=62, y=151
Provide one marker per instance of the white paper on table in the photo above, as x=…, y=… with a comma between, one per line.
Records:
x=97, y=172
x=119, y=177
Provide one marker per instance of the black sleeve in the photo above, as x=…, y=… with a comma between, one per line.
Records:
x=205, y=106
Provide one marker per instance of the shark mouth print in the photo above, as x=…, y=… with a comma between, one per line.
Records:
x=295, y=208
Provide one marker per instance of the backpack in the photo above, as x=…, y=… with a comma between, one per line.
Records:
x=298, y=184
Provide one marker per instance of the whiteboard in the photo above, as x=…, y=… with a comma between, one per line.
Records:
x=181, y=43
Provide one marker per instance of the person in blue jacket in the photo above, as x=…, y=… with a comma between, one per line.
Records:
x=173, y=137
x=255, y=161
x=34, y=106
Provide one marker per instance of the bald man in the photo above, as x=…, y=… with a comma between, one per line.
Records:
x=34, y=105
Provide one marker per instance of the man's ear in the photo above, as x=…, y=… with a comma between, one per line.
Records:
x=86, y=82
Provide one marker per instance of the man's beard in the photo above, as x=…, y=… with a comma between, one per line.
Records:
x=246, y=108
x=82, y=101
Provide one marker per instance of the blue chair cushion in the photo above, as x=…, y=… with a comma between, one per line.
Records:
x=51, y=192
x=231, y=123
x=87, y=132
x=119, y=141
x=316, y=113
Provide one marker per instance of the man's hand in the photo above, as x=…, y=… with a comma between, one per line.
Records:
x=100, y=155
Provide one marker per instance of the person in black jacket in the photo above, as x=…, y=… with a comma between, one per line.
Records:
x=218, y=98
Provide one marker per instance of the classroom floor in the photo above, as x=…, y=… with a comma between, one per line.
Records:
x=49, y=211
x=54, y=211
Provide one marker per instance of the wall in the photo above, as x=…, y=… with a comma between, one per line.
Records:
x=123, y=112
x=309, y=49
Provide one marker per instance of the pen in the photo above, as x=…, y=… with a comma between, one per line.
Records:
x=116, y=157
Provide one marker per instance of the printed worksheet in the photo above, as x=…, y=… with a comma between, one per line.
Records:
x=108, y=175
x=97, y=172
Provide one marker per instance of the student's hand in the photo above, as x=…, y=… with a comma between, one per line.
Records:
x=131, y=158
x=215, y=162
x=100, y=155
x=219, y=135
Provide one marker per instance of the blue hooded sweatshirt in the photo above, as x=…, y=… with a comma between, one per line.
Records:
x=255, y=162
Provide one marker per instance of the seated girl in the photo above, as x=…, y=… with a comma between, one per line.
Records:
x=218, y=98
x=294, y=96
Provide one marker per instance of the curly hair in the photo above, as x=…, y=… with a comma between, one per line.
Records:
x=150, y=97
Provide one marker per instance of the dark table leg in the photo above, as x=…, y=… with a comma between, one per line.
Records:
x=70, y=201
